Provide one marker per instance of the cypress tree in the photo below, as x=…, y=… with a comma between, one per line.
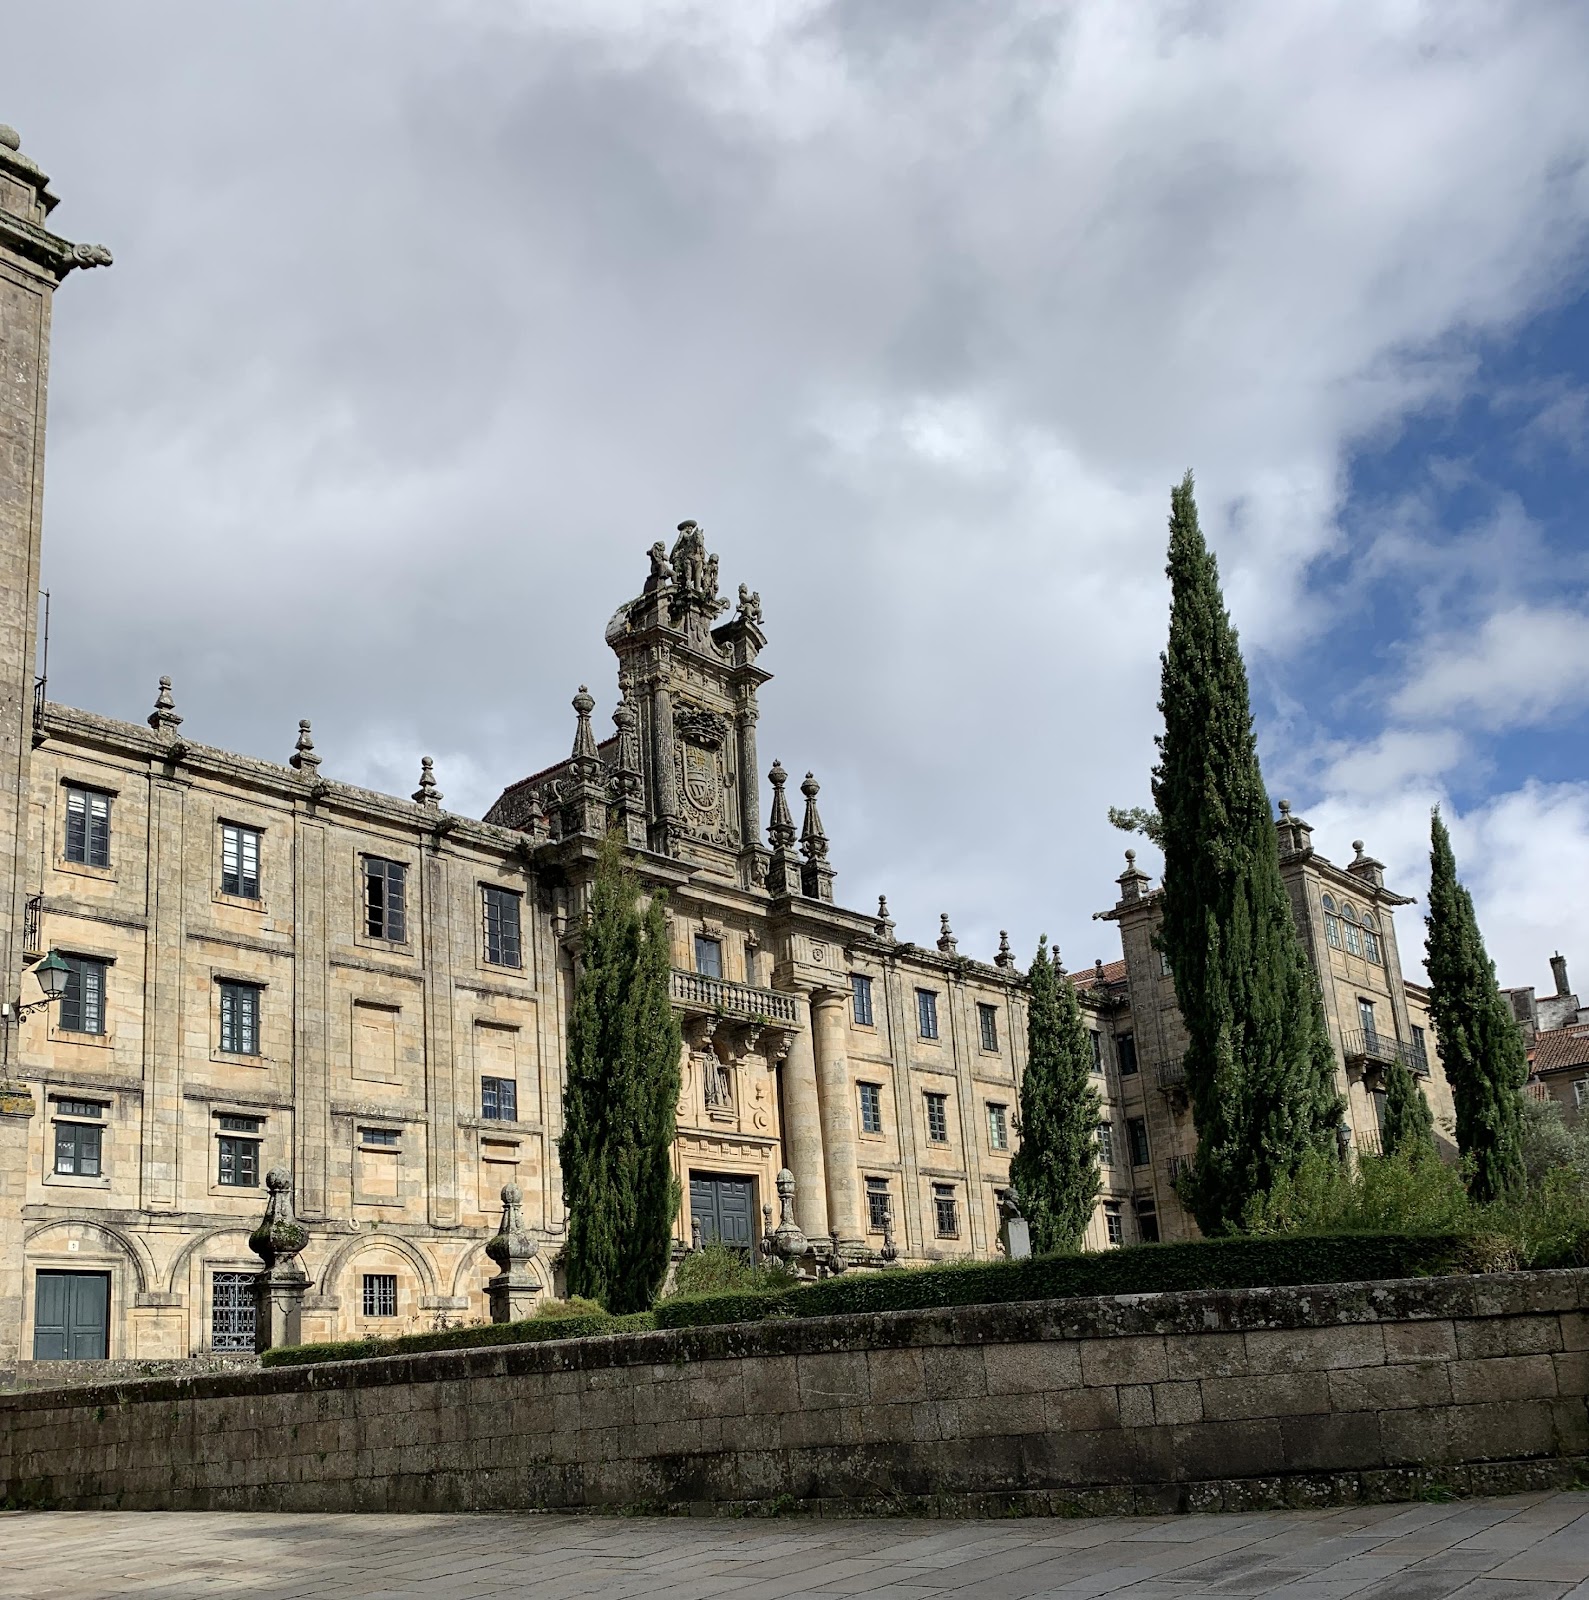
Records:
x=1407, y=1127
x=1055, y=1170
x=619, y=1098
x=1481, y=1045
x=1260, y=1070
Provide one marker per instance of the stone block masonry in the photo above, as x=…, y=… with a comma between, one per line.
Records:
x=1186, y=1401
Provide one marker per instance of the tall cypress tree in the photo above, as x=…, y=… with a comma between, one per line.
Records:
x=1260, y=1070
x=619, y=1098
x=1055, y=1170
x=1481, y=1045
x=1407, y=1127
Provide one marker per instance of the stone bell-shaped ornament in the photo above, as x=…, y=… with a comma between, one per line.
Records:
x=512, y=1292
x=279, y=1289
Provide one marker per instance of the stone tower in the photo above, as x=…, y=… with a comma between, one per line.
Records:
x=32, y=262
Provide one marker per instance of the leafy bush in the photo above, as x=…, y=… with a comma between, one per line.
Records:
x=1229, y=1263
x=1406, y=1193
x=533, y=1330
x=718, y=1269
x=574, y=1306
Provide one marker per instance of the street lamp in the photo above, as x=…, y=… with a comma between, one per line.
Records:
x=52, y=974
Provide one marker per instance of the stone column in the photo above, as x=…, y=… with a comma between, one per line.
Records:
x=16, y=1120
x=803, y=1133
x=279, y=1289
x=749, y=779
x=838, y=1117
x=666, y=800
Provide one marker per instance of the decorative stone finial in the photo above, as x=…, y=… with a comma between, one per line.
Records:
x=780, y=824
x=9, y=137
x=1059, y=966
x=885, y=923
x=303, y=758
x=786, y=1240
x=1357, y=846
x=1006, y=956
x=512, y=1292
x=946, y=939
x=164, y=718
x=584, y=739
x=1097, y=971
x=1285, y=808
x=1133, y=881
x=813, y=841
x=279, y=1236
x=427, y=794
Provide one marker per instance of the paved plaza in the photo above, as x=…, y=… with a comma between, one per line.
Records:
x=1526, y=1547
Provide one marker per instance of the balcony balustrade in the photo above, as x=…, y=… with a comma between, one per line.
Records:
x=1172, y=1074
x=691, y=991
x=1380, y=1049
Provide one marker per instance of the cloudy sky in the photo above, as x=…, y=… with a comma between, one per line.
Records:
x=428, y=318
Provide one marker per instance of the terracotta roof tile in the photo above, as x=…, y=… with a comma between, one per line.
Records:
x=1560, y=1048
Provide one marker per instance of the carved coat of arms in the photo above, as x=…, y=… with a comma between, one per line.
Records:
x=698, y=752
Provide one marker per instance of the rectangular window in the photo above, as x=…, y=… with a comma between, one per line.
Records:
x=1097, y=1049
x=240, y=861
x=878, y=1213
x=1126, y=1053
x=83, y=1002
x=988, y=1025
x=861, y=990
x=79, y=1108
x=927, y=1013
x=1164, y=965
x=1137, y=1134
x=1147, y=1221
x=1354, y=940
x=240, y=1019
x=1419, y=1043
x=1106, y=1144
x=946, y=1210
x=77, y=1149
x=1112, y=1227
x=232, y=1311
x=1365, y=1017
x=241, y=1124
x=385, y=899
x=1580, y=1092
x=499, y=1099
x=380, y=1294
x=708, y=956
x=88, y=827
x=1371, y=947
x=1332, y=930
x=500, y=910
x=998, y=1127
x=937, y=1118
x=871, y=1107
x=239, y=1167
x=378, y=1138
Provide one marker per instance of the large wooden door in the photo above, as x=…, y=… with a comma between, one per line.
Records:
x=725, y=1209
x=71, y=1316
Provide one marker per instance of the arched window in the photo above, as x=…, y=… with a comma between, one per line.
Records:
x=1332, y=923
x=1371, y=939
x=1354, y=939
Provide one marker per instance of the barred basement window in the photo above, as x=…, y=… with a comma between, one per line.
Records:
x=946, y=1210
x=500, y=909
x=861, y=991
x=380, y=1294
x=240, y=861
x=240, y=1019
x=83, y=1002
x=499, y=1099
x=988, y=1023
x=937, y=1118
x=871, y=1107
x=232, y=1311
x=878, y=1211
x=88, y=827
x=385, y=899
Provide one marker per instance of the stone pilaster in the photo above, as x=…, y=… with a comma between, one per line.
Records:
x=665, y=798
x=16, y=1119
x=311, y=999
x=753, y=857
x=164, y=948
x=803, y=1133
x=838, y=1117
x=441, y=1144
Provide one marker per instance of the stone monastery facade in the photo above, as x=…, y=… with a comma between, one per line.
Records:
x=269, y=967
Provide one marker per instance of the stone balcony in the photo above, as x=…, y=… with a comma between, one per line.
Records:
x=697, y=995
x=1373, y=1049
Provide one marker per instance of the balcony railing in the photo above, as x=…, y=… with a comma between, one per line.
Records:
x=695, y=992
x=1382, y=1049
x=1177, y=1165
x=1368, y=1141
x=1172, y=1074
x=32, y=917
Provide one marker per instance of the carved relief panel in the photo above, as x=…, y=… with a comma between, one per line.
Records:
x=705, y=781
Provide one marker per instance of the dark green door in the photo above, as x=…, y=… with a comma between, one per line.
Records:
x=71, y=1316
x=725, y=1209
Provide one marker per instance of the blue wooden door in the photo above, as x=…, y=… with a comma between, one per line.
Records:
x=725, y=1209
x=71, y=1316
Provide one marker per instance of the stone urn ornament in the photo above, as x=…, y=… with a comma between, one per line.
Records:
x=513, y=1291
x=278, y=1241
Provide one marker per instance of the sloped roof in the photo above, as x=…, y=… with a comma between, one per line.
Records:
x=1560, y=1048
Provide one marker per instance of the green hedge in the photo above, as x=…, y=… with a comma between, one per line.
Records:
x=459, y=1338
x=1138, y=1269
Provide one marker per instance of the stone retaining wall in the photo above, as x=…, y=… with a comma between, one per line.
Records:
x=1168, y=1401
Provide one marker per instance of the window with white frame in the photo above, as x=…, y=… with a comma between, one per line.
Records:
x=988, y=1025
x=927, y=1013
x=861, y=997
x=946, y=1210
x=88, y=827
x=239, y=1018
x=937, y=1117
x=240, y=861
x=871, y=1107
x=998, y=1126
x=1332, y=922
